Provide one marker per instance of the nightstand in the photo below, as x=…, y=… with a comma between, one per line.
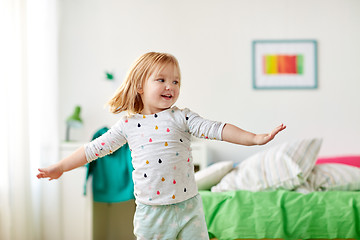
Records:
x=76, y=208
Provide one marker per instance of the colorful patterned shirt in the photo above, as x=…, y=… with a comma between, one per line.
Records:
x=160, y=149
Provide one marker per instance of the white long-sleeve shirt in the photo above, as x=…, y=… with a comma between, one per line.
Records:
x=160, y=149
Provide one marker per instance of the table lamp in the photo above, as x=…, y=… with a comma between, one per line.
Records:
x=74, y=121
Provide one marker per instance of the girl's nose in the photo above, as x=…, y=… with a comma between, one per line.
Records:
x=168, y=86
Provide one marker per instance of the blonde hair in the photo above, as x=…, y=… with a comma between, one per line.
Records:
x=126, y=97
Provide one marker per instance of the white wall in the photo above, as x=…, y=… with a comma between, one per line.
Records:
x=212, y=41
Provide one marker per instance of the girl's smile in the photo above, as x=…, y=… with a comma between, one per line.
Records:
x=167, y=96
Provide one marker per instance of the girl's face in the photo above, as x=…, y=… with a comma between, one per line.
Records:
x=160, y=90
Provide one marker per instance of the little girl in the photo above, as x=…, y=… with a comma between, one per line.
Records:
x=158, y=134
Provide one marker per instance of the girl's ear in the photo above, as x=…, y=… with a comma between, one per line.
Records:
x=140, y=90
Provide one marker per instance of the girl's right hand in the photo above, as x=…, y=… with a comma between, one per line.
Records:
x=51, y=172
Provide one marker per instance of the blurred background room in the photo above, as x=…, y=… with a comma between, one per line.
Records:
x=59, y=54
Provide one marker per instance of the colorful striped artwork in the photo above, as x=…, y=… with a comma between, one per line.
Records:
x=283, y=64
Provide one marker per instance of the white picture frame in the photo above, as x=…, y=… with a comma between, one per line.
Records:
x=284, y=64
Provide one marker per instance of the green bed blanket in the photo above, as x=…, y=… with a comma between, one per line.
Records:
x=282, y=214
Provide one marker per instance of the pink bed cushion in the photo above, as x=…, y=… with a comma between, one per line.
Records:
x=348, y=160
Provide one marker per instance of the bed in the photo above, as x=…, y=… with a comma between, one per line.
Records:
x=285, y=192
x=282, y=214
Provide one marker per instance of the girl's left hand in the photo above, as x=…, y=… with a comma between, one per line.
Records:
x=262, y=139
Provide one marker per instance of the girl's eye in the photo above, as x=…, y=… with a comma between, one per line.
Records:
x=160, y=80
x=175, y=82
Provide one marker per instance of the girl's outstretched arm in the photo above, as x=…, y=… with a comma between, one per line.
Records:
x=71, y=162
x=237, y=135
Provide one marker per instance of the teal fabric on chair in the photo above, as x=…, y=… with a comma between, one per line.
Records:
x=111, y=175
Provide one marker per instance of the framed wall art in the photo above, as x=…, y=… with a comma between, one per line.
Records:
x=284, y=64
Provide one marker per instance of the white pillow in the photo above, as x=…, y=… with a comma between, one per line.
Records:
x=284, y=166
x=304, y=188
x=212, y=175
x=335, y=176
